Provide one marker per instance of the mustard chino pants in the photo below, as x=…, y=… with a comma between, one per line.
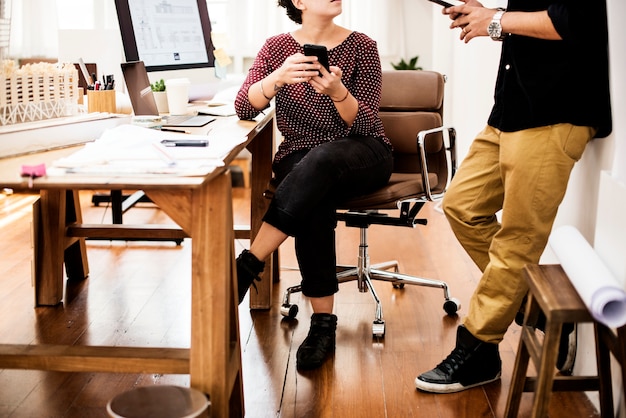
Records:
x=525, y=174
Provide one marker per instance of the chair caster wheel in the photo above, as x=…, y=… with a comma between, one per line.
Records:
x=452, y=306
x=289, y=311
x=398, y=285
x=378, y=329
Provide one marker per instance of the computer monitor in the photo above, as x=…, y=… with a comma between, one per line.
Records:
x=172, y=38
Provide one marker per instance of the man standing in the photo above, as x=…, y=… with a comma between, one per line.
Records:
x=551, y=98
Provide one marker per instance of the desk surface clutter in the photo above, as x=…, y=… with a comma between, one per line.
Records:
x=122, y=155
x=129, y=149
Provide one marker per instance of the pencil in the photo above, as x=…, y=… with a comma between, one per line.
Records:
x=180, y=131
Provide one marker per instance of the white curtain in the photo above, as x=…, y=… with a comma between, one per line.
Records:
x=33, y=29
x=35, y=24
x=253, y=21
x=382, y=20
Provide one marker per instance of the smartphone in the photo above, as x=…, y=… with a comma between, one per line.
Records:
x=185, y=142
x=318, y=51
x=447, y=3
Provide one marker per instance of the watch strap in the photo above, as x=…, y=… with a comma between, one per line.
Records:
x=496, y=21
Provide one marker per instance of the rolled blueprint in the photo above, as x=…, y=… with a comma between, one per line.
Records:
x=600, y=291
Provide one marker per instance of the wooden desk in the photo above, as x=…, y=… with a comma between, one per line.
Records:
x=202, y=207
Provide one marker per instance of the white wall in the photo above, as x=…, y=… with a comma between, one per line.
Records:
x=471, y=71
x=617, y=38
x=417, y=39
x=610, y=233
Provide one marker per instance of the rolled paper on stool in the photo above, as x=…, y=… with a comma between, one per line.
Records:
x=600, y=291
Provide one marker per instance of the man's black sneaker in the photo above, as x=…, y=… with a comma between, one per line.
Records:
x=568, y=342
x=567, y=348
x=319, y=343
x=471, y=363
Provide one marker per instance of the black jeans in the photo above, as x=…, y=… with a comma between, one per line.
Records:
x=311, y=184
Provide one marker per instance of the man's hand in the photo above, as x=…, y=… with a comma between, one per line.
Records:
x=472, y=18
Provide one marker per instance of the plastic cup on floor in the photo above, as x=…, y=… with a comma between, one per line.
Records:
x=159, y=402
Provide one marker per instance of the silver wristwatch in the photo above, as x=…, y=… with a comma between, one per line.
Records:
x=495, y=28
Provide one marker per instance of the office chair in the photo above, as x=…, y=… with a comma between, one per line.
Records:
x=411, y=110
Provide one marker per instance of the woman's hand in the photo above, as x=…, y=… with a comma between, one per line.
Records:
x=297, y=69
x=329, y=83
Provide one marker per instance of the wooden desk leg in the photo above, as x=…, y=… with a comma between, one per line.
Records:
x=215, y=354
x=49, y=246
x=76, y=265
x=54, y=210
x=262, y=149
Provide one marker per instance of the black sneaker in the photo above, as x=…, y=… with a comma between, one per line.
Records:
x=248, y=269
x=568, y=342
x=471, y=363
x=567, y=348
x=319, y=343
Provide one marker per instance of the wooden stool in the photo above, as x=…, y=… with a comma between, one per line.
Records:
x=551, y=292
x=159, y=402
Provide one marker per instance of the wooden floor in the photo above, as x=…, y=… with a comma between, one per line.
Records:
x=138, y=295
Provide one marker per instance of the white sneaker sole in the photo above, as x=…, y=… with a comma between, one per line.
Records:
x=451, y=388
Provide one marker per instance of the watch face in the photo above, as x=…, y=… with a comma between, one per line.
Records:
x=494, y=29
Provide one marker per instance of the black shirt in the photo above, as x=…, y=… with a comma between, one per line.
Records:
x=542, y=82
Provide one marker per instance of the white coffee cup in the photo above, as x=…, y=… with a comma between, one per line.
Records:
x=177, y=95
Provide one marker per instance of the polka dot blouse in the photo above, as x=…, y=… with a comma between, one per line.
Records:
x=307, y=119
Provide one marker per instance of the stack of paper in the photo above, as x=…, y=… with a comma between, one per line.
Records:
x=129, y=149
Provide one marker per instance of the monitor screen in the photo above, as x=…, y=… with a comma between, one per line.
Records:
x=166, y=34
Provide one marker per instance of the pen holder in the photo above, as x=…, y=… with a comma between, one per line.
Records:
x=101, y=101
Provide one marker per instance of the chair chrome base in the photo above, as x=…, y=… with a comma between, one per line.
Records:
x=365, y=274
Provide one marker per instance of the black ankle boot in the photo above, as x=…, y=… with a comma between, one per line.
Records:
x=319, y=343
x=248, y=269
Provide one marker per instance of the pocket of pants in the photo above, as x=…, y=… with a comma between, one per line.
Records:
x=574, y=139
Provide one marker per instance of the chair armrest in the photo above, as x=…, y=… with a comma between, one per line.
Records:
x=450, y=135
